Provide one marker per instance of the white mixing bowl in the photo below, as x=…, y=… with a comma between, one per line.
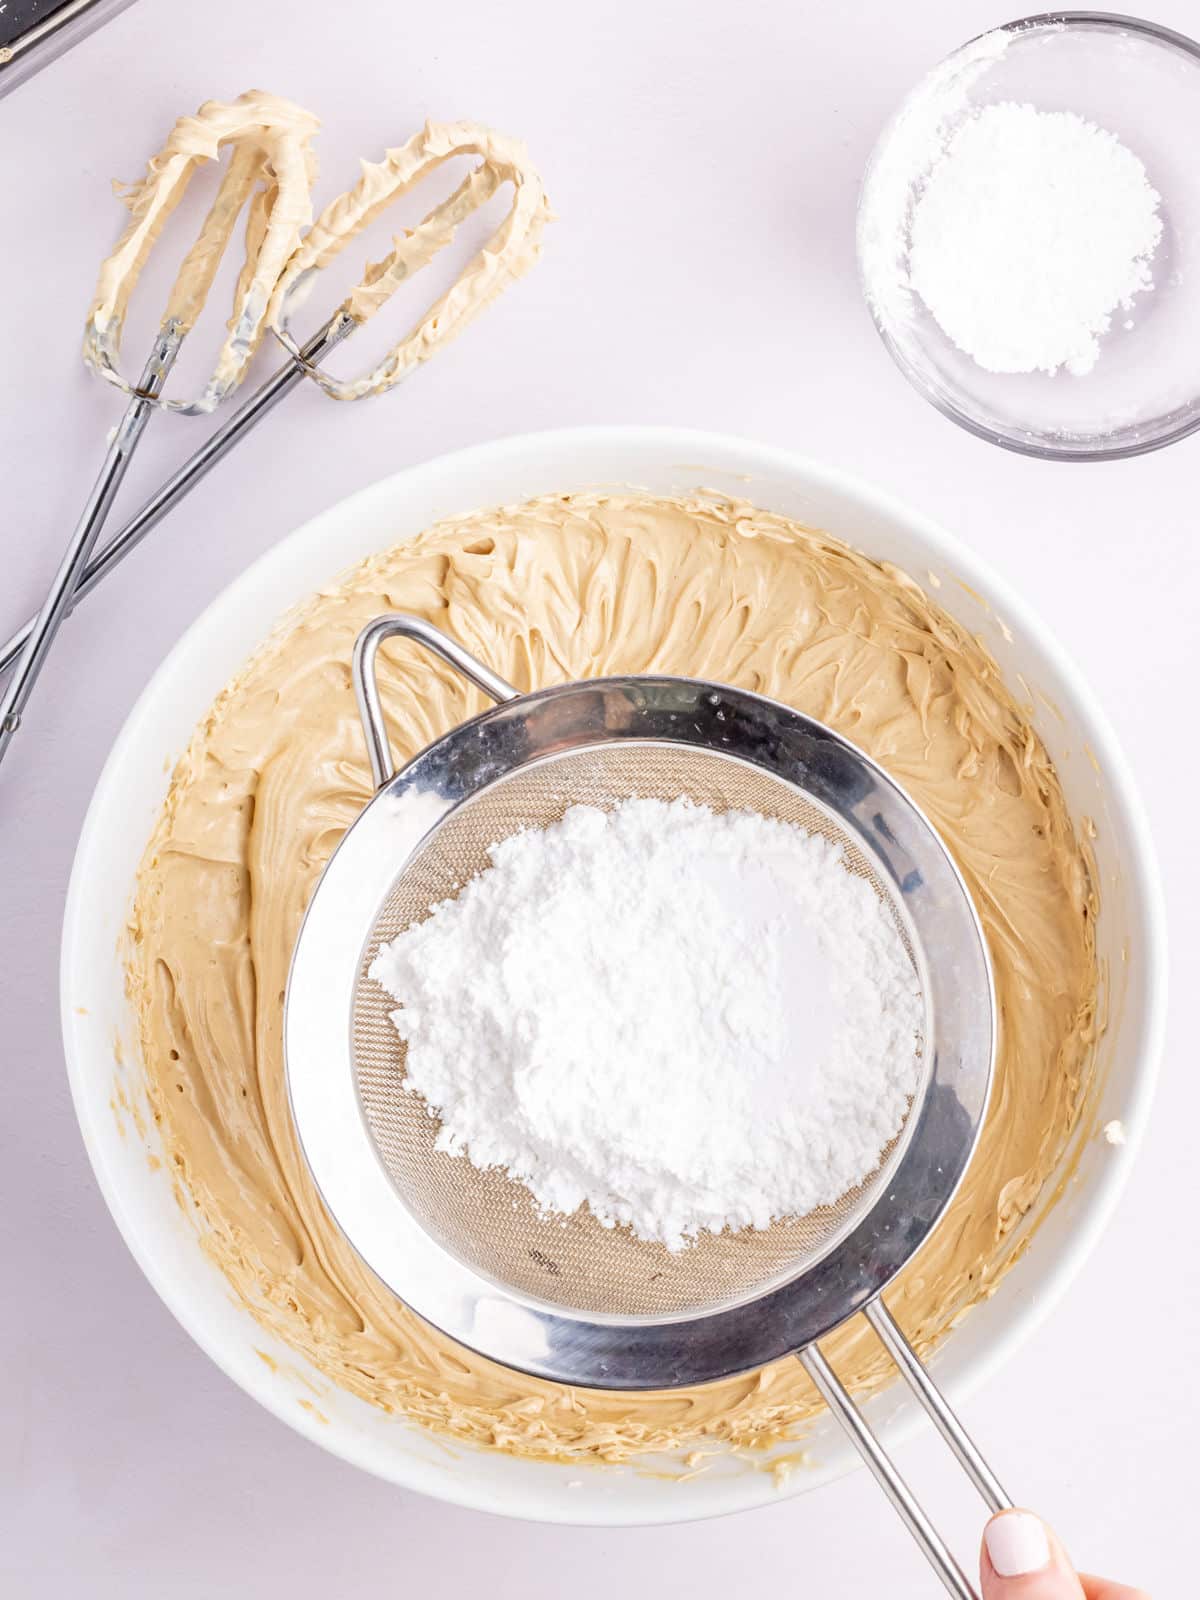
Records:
x=132, y=787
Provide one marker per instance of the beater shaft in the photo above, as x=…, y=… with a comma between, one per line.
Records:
x=186, y=477
x=116, y=463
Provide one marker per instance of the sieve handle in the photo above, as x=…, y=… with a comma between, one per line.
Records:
x=366, y=683
x=937, y=1407
x=838, y=1399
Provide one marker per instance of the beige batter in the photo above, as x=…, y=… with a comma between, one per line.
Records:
x=512, y=250
x=270, y=173
x=271, y=168
x=557, y=589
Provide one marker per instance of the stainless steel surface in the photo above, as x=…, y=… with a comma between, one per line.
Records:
x=934, y=1402
x=886, y=1475
x=185, y=478
x=25, y=52
x=116, y=462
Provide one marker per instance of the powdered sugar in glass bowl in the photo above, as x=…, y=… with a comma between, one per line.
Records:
x=1138, y=385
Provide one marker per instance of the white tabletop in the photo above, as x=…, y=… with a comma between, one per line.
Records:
x=705, y=160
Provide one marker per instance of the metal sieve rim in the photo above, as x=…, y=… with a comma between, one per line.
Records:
x=591, y=1349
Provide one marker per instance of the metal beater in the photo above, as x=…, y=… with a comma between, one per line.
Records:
x=511, y=250
x=570, y=1300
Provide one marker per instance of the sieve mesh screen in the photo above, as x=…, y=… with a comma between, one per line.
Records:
x=483, y=1217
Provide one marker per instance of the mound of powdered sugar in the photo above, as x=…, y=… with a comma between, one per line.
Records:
x=687, y=1021
x=1032, y=229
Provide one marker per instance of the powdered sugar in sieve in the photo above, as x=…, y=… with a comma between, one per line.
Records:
x=689, y=1021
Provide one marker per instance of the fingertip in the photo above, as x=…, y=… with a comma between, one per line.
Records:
x=1022, y=1560
x=1017, y=1544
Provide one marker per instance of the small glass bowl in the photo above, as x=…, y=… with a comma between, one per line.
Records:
x=1141, y=82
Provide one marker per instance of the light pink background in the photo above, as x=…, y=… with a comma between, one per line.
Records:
x=705, y=160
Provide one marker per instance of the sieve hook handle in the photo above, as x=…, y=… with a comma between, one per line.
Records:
x=366, y=682
x=838, y=1399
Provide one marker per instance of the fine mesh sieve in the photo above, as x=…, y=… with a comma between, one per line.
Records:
x=568, y=1299
x=483, y=1217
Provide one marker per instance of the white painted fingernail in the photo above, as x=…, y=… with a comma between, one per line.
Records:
x=1017, y=1544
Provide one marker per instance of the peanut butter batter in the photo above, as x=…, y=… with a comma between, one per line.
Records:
x=512, y=250
x=557, y=589
x=271, y=170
